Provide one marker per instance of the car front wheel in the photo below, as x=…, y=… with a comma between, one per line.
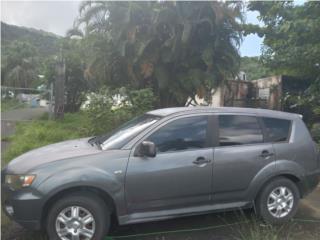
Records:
x=78, y=217
x=278, y=201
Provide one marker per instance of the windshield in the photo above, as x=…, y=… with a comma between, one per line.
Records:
x=122, y=135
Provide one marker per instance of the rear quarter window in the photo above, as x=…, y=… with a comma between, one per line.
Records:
x=276, y=130
x=239, y=130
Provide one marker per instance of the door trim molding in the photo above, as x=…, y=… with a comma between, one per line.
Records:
x=175, y=213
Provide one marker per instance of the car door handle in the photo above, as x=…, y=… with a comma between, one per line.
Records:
x=201, y=161
x=266, y=154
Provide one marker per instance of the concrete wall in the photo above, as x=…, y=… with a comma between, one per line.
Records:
x=260, y=93
x=216, y=100
x=270, y=89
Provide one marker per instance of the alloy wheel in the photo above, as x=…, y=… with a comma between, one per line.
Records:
x=75, y=223
x=280, y=202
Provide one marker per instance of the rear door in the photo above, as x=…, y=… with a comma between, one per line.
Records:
x=241, y=153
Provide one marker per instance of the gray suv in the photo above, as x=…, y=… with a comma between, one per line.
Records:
x=167, y=163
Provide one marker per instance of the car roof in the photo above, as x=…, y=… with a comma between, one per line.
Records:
x=163, y=112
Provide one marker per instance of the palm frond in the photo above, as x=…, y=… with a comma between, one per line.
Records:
x=90, y=13
x=74, y=32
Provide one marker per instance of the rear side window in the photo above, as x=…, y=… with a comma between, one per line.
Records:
x=277, y=130
x=181, y=134
x=239, y=130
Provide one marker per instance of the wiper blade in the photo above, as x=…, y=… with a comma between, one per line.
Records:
x=98, y=140
x=93, y=140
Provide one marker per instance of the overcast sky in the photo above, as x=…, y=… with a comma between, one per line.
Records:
x=58, y=17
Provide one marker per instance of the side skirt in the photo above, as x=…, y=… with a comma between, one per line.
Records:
x=180, y=212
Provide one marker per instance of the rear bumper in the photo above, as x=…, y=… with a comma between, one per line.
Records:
x=22, y=206
x=311, y=181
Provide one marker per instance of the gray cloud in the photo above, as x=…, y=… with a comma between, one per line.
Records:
x=52, y=16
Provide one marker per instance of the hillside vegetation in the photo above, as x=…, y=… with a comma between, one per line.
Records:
x=46, y=43
x=24, y=55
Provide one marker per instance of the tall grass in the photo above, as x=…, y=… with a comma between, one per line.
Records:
x=10, y=104
x=37, y=133
x=256, y=230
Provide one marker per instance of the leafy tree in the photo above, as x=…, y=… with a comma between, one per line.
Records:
x=178, y=49
x=292, y=46
x=254, y=68
x=75, y=80
x=291, y=37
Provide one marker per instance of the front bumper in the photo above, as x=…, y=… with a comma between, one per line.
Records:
x=22, y=206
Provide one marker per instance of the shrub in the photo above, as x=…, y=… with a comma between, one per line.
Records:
x=315, y=132
x=109, y=109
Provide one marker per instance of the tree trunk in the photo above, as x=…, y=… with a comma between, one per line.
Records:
x=59, y=89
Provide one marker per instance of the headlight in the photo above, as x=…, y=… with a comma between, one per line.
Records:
x=19, y=181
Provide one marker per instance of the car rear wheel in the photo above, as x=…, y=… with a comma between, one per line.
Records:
x=278, y=201
x=78, y=217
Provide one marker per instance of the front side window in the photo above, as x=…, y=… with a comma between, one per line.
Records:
x=277, y=130
x=181, y=134
x=239, y=130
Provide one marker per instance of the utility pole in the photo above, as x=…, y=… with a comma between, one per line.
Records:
x=59, y=88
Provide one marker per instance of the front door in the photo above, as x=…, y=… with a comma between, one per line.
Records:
x=180, y=175
x=241, y=154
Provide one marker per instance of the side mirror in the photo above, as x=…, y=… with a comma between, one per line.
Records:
x=147, y=149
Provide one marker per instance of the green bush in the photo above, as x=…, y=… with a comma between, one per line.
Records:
x=109, y=109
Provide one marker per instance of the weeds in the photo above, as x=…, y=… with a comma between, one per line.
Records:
x=10, y=104
x=30, y=135
x=256, y=230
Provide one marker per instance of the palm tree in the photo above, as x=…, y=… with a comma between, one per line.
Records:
x=19, y=68
x=177, y=48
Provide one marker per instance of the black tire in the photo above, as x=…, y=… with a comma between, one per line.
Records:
x=87, y=201
x=263, y=198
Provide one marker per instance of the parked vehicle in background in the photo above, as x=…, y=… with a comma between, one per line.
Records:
x=167, y=163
